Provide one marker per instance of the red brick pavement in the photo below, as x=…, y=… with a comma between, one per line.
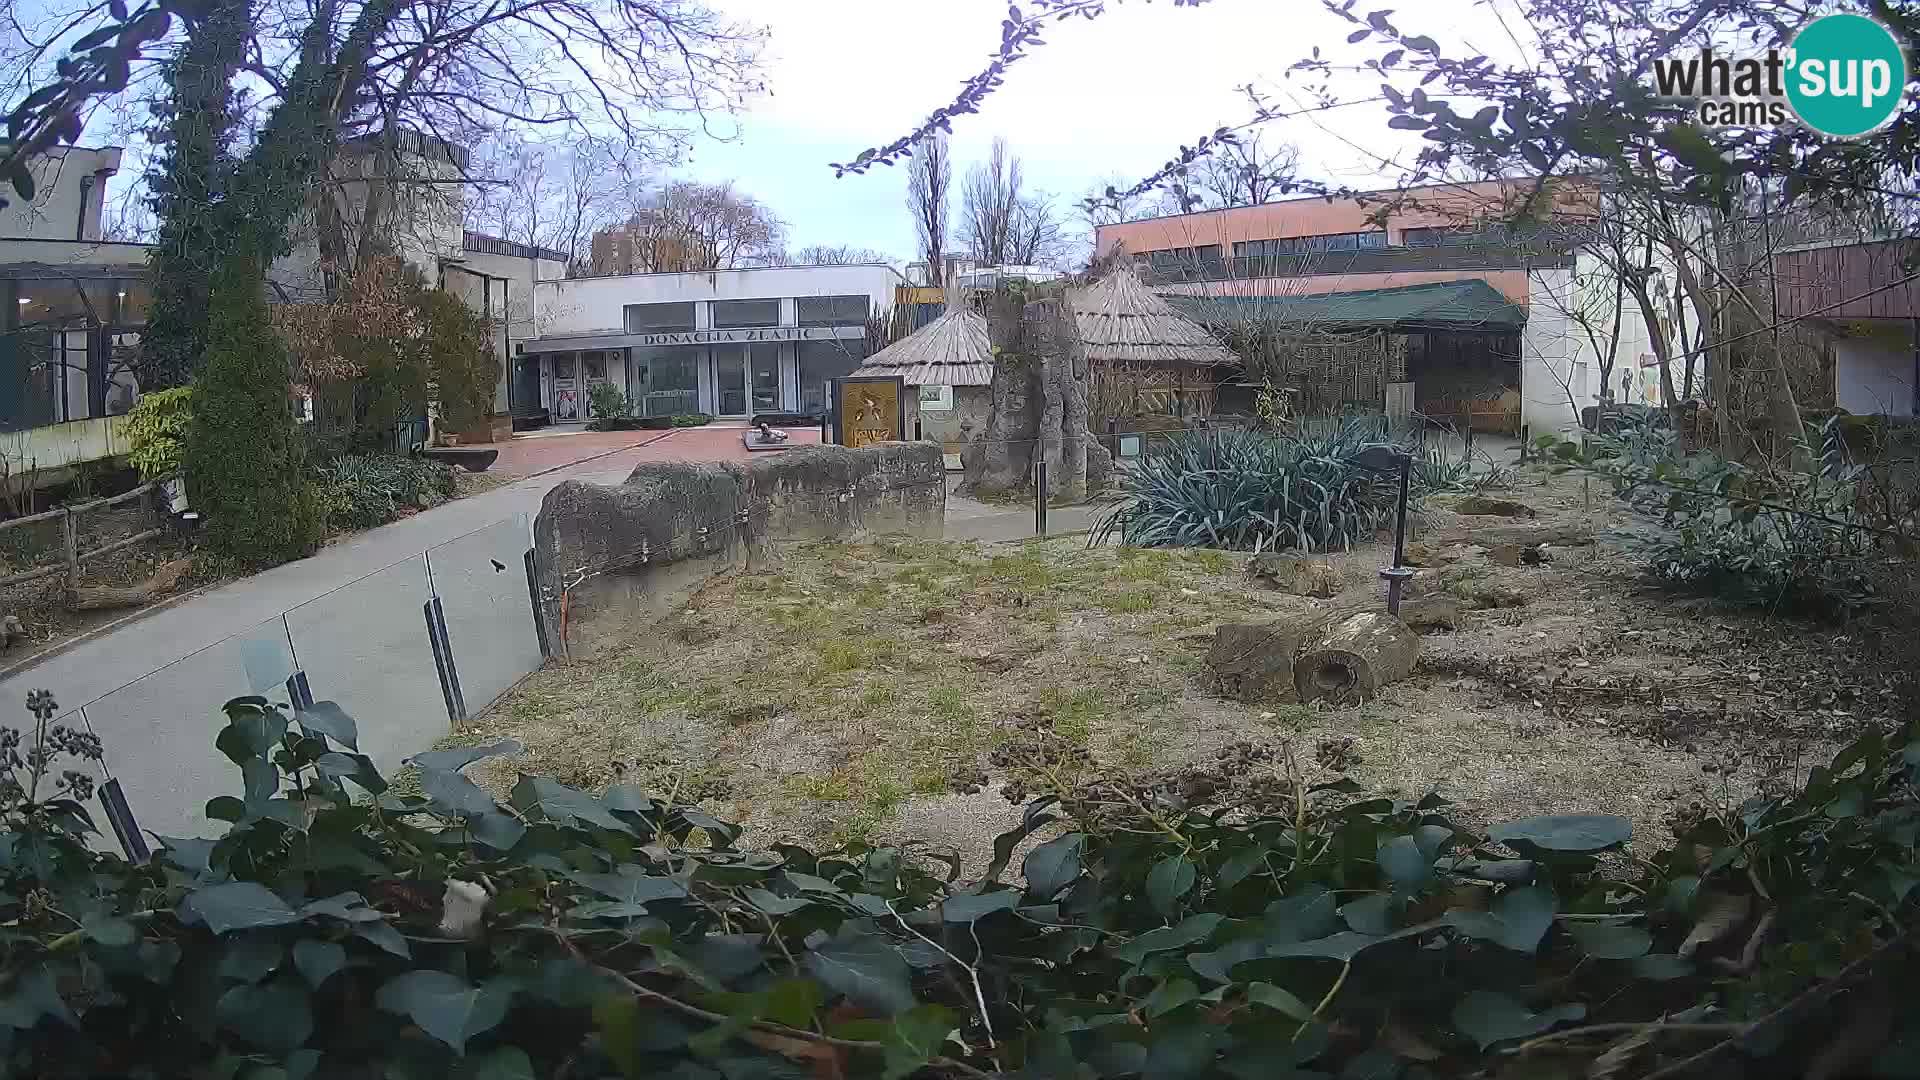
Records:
x=623, y=449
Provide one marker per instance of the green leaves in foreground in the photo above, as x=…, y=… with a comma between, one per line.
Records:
x=337, y=924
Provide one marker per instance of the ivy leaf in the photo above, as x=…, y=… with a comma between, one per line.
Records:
x=1053, y=866
x=914, y=1038
x=1168, y=881
x=446, y=1006
x=497, y=829
x=1566, y=832
x=1488, y=1018
x=250, y=959
x=1405, y=864
x=455, y=793
x=318, y=960
x=966, y=907
x=34, y=996
x=238, y=905
x=866, y=969
x=1611, y=941
x=1518, y=919
x=276, y=1016
x=1169, y=996
x=253, y=730
x=631, y=884
x=563, y=805
x=1282, y=1001
x=1192, y=929
x=358, y=768
x=1306, y=915
x=1372, y=914
x=110, y=932
x=329, y=719
x=382, y=935
x=1217, y=965
x=463, y=756
x=501, y=1063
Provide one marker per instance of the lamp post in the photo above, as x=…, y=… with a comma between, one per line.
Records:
x=1386, y=460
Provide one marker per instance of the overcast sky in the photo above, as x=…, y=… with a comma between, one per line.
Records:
x=1102, y=100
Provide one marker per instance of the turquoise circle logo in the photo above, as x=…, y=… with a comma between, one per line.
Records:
x=1846, y=76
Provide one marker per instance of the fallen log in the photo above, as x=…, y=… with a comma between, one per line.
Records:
x=1254, y=661
x=1351, y=658
x=166, y=578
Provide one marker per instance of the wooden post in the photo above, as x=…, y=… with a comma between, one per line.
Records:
x=70, y=541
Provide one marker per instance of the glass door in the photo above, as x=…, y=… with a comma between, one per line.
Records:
x=763, y=362
x=730, y=380
x=566, y=390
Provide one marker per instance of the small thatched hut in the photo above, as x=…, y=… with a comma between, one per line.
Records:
x=948, y=368
x=1147, y=359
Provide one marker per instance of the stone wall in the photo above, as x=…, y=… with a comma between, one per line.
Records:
x=610, y=561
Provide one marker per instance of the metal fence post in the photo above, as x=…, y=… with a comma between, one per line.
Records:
x=533, y=598
x=1040, y=493
x=443, y=661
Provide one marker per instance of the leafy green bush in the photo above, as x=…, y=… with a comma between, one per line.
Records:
x=609, y=407
x=361, y=492
x=244, y=459
x=156, y=428
x=457, y=345
x=698, y=419
x=339, y=928
x=1251, y=490
x=1784, y=541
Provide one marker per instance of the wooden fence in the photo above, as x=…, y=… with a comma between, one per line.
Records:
x=72, y=558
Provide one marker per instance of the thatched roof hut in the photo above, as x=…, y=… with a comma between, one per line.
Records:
x=952, y=350
x=1123, y=323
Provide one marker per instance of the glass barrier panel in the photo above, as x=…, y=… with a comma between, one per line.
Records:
x=481, y=579
x=158, y=730
x=364, y=646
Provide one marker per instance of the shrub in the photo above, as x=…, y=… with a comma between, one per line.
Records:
x=361, y=492
x=1250, y=490
x=457, y=344
x=697, y=419
x=339, y=928
x=609, y=407
x=1783, y=541
x=157, y=428
x=244, y=459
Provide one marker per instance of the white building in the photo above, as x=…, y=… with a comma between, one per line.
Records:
x=731, y=343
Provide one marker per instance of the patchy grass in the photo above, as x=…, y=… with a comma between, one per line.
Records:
x=886, y=690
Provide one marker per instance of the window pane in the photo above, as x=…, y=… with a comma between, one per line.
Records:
x=133, y=296
x=763, y=362
x=55, y=302
x=666, y=381
x=659, y=318
x=823, y=360
x=730, y=373
x=737, y=313
x=832, y=310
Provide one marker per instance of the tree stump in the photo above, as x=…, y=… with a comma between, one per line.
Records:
x=1353, y=657
x=1254, y=661
x=165, y=579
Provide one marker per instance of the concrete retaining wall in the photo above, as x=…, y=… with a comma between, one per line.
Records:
x=609, y=561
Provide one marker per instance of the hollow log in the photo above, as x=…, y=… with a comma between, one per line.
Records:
x=165, y=580
x=1353, y=657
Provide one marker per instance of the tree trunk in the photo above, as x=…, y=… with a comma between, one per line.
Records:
x=165, y=580
x=1002, y=459
x=1074, y=434
x=1349, y=660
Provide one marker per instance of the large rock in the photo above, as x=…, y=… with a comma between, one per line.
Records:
x=1481, y=506
x=1254, y=661
x=610, y=561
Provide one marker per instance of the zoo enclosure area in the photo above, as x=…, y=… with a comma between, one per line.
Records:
x=410, y=650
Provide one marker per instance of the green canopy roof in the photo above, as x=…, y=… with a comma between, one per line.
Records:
x=1469, y=304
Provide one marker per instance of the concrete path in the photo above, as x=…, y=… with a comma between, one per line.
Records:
x=152, y=687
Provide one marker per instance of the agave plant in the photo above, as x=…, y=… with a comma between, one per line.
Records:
x=1255, y=491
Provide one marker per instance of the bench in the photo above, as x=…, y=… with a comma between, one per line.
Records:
x=472, y=459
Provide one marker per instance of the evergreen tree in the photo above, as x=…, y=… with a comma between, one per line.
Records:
x=245, y=462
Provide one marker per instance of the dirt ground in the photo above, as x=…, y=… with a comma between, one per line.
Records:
x=903, y=689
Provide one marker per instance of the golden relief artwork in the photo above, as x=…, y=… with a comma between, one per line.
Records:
x=869, y=412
